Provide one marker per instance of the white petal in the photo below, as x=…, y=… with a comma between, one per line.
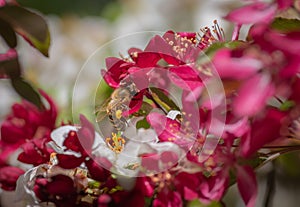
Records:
x=58, y=135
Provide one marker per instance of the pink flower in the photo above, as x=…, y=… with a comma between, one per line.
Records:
x=215, y=173
x=168, y=198
x=59, y=189
x=116, y=71
x=9, y=176
x=247, y=185
x=186, y=77
x=2, y=2
x=96, y=171
x=235, y=65
x=284, y=4
x=26, y=122
x=35, y=152
x=169, y=130
x=75, y=147
x=287, y=43
x=263, y=131
x=295, y=90
x=214, y=187
x=211, y=36
x=253, y=13
x=253, y=95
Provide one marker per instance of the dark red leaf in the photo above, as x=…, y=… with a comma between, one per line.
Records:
x=8, y=34
x=31, y=26
x=26, y=91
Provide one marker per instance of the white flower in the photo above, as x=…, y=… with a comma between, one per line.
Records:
x=123, y=151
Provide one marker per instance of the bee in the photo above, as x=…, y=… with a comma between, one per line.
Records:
x=118, y=102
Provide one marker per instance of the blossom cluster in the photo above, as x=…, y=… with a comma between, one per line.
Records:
x=191, y=114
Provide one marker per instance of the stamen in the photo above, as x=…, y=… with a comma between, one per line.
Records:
x=53, y=159
x=162, y=180
x=116, y=143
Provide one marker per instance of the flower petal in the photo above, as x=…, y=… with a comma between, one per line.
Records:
x=247, y=185
x=253, y=95
x=253, y=13
x=235, y=67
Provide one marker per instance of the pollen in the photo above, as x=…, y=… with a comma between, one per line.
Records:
x=162, y=180
x=115, y=143
x=119, y=114
x=53, y=159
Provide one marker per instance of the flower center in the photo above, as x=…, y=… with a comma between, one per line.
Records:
x=162, y=180
x=116, y=143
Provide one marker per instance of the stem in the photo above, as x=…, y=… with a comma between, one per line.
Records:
x=270, y=190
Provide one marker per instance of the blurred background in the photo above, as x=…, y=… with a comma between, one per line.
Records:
x=78, y=28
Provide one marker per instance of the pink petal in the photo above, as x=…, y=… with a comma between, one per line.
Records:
x=291, y=69
x=139, y=76
x=185, y=77
x=284, y=4
x=235, y=67
x=263, y=131
x=72, y=142
x=69, y=161
x=51, y=112
x=86, y=133
x=150, y=162
x=144, y=59
x=60, y=185
x=157, y=121
x=253, y=95
x=98, y=168
x=9, y=176
x=238, y=128
x=253, y=13
x=289, y=43
x=189, y=194
x=2, y=2
x=10, y=54
x=296, y=90
x=169, y=157
x=247, y=185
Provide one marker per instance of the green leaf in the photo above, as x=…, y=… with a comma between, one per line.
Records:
x=26, y=91
x=143, y=124
x=144, y=110
x=148, y=201
x=31, y=26
x=287, y=105
x=286, y=25
x=254, y=162
x=163, y=100
x=197, y=203
x=8, y=34
x=218, y=45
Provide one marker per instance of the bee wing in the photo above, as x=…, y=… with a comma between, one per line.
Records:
x=100, y=116
x=100, y=111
